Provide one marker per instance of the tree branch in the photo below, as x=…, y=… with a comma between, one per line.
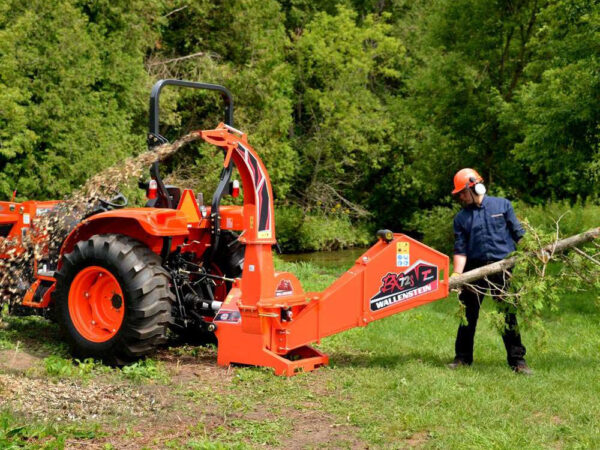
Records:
x=504, y=264
x=174, y=11
x=172, y=60
x=585, y=255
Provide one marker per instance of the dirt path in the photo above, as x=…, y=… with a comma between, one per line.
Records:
x=199, y=403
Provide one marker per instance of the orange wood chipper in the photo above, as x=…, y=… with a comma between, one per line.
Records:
x=125, y=276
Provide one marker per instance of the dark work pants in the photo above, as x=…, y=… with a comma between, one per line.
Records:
x=515, y=350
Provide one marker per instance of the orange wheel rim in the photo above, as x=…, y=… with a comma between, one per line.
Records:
x=96, y=304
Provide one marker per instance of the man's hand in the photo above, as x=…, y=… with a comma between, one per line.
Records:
x=454, y=275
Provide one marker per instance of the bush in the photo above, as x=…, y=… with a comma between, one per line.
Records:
x=574, y=217
x=288, y=221
x=435, y=227
x=300, y=232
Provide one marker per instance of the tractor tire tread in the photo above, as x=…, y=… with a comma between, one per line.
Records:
x=148, y=298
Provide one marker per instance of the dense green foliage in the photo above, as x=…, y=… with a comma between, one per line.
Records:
x=72, y=83
x=299, y=232
x=356, y=106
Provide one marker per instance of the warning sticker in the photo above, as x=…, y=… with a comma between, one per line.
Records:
x=264, y=234
x=402, y=254
x=284, y=288
x=228, y=316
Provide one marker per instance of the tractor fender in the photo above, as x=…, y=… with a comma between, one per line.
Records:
x=152, y=226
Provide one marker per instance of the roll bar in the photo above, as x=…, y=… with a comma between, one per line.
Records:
x=154, y=136
x=155, y=139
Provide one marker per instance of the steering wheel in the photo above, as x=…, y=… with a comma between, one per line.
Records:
x=118, y=201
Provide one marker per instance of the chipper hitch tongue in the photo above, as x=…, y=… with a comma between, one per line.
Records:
x=276, y=329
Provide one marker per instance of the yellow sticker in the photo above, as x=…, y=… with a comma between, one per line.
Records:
x=402, y=254
x=264, y=234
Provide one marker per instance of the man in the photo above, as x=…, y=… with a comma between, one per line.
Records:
x=486, y=230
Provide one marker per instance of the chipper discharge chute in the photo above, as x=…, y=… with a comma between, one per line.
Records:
x=125, y=276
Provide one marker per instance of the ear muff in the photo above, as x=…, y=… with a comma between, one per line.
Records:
x=479, y=187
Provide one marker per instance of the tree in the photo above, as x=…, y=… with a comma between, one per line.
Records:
x=556, y=115
x=241, y=45
x=70, y=89
x=343, y=127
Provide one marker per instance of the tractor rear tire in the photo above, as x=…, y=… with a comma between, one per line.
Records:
x=113, y=300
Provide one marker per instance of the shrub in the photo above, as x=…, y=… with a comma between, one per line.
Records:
x=435, y=227
x=288, y=222
x=574, y=217
x=300, y=232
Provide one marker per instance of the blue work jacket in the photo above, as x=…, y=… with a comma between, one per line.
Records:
x=488, y=232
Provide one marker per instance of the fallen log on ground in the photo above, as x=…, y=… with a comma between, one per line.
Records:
x=558, y=246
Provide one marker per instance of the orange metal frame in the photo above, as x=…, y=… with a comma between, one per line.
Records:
x=267, y=319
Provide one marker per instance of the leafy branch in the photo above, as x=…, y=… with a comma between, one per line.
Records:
x=540, y=272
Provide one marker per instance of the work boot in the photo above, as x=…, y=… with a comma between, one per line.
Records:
x=522, y=368
x=457, y=363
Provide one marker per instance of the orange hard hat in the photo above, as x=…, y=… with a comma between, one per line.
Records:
x=465, y=178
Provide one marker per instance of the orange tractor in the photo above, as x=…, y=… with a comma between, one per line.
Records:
x=125, y=276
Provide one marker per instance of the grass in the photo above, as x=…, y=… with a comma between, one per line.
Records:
x=396, y=373
x=386, y=386
x=37, y=333
x=390, y=380
x=140, y=371
x=19, y=433
x=42, y=337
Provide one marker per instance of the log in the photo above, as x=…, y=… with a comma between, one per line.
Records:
x=504, y=264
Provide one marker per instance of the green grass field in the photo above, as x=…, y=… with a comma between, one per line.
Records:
x=387, y=386
x=392, y=383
